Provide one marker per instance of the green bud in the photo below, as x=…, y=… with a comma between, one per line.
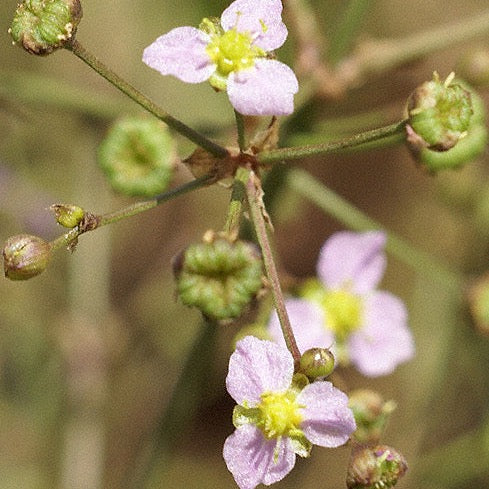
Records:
x=68, y=215
x=478, y=298
x=42, y=26
x=376, y=467
x=138, y=156
x=316, y=362
x=25, y=256
x=219, y=276
x=371, y=414
x=439, y=114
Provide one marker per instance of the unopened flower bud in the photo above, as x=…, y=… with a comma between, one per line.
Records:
x=316, y=362
x=68, y=215
x=138, y=156
x=371, y=414
x=25, y=256
x=478, y=298
x=41, y=26
x=219, y=276
x=439, y=114
x=376, y=467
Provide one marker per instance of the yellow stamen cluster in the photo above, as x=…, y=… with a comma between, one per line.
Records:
x=230, y=51
x=278, y=414
x=343, y=311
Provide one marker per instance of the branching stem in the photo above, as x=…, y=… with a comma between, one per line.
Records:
x=215, y=149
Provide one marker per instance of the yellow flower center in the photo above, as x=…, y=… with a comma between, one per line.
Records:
x=278, y=414
x=229, y=51
x=343, y=312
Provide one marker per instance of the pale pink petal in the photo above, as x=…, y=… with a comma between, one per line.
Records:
x=308, y=324
x=266, y=89
x=328, y=421
x=354, y=260
x=254, y=460
x=181, y=53
x=258, y=366
x=261, y=18
x=384, y=341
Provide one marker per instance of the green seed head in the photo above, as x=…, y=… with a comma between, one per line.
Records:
x=138, y=156
x=467, y=149
x=25, y=256
x=42, y=26
x=219, y=276
x=439, y=114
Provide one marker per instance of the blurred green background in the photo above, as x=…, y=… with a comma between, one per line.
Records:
x=91, y=350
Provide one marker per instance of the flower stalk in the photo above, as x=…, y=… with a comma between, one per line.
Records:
x=240, y=126
x=333, y=146
x=70, y=238
x=78, y=50
x=254, y=194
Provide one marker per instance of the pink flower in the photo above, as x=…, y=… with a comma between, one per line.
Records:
x=344, y=309
x=233, y=56
x=277, y=418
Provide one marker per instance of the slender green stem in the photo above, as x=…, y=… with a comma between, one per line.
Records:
x=76, y=48
x=112, y=217
x=424, y=263
x=139, y=207
x=333, y=146
x=346, y=29
x=240, y=126
x=66, y=239
x=254, y=194
x=335, y=128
